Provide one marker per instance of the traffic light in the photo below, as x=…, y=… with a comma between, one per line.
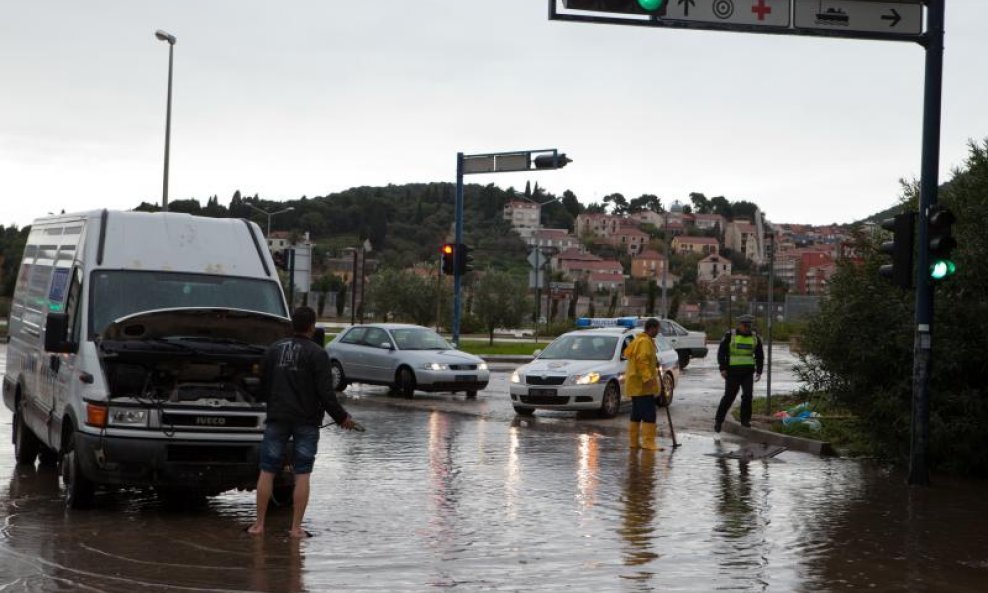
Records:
x=464, y=261
x=653, y=7
x=941, y=243
x=549, y=161
x=448, y=254
x=903, y=228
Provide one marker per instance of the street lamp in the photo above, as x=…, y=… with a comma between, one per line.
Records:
x=678, y=208
x=269, y=215
x=163, y=36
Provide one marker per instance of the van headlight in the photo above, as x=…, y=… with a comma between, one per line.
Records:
x=127, y=417
x=590, y=378
x=435, y=366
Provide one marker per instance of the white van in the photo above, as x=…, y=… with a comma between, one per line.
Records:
x=135, y=343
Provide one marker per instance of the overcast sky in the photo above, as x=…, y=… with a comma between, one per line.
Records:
x=308, y=97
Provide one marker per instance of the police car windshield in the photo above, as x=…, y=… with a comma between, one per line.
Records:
x=419, y=339
x=580, y=347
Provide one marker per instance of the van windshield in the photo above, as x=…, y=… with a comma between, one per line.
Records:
x=119, y=293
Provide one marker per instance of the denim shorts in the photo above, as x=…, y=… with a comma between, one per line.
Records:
x=305, y=442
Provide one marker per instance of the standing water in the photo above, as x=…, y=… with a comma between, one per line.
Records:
x=427, y=500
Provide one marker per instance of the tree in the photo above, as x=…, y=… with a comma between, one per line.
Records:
x=620, y=204
x=843, y=356
x=500, y=300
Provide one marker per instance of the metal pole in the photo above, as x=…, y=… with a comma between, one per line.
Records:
x=168, y=129
x=458, y=240
x=291, y=279
x=923, y=341
x=353, y=289
x=771, y=320
x=548, y=291
x=538, y=292
x=665, y=267
x=269, y=226
x=363, y=272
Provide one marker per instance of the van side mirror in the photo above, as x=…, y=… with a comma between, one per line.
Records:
x=319, y=337
x=57, y=334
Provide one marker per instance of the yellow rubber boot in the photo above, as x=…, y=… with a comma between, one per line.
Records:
x=633, y=435
x=648, y=437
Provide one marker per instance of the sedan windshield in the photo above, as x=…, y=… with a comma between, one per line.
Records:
x=117, y=293
x=581, y=347
x=419, y=338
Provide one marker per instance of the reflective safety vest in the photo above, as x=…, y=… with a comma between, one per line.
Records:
x=742, y=351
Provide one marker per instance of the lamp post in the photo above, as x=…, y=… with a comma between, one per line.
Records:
x=675, y=207
x=270, y=214
x=163, y=36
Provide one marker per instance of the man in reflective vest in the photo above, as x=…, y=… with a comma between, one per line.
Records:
x=641, y=383
x=740, y=357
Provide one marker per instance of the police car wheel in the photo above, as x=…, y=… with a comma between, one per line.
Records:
x=523, y=411
x=610, y=403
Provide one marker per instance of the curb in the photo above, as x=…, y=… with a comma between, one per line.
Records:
x=821, y=448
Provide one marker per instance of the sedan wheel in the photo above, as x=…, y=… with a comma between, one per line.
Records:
x=339, y=378
x=523, y=411
x=610, y=403
x=405, y=382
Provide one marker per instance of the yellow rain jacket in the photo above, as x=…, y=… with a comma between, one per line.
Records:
x=641, y=366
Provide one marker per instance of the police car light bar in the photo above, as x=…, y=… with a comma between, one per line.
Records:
x=627, y=322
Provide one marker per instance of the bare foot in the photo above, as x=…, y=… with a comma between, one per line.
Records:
x=255, y=529
x=299, y=533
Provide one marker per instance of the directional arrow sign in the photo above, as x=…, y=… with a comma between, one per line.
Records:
x=759, y=13
x=903, y=17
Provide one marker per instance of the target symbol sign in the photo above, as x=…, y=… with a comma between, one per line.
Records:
x=723, y=9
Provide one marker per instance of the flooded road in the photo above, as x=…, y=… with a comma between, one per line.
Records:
x=431, y=498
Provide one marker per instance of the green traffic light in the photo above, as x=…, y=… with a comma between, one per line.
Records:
x=942, y=268
x=651, y=5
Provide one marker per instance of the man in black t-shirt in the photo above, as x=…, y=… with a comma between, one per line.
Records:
x=297, y=380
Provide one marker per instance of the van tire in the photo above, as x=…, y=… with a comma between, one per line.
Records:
x=26, y=444
x=79, y=489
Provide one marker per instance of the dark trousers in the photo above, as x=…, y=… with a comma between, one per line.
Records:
x=743, y=380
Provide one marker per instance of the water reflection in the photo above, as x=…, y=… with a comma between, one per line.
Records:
x=741, y=523
x=638, y=514
x=586, y=473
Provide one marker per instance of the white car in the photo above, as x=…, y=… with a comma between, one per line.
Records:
x=584, y=370
x=688, y=344
x=405, y=357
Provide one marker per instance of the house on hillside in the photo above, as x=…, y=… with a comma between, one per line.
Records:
x=598, y=225
x=631, y=240
x=697, y=245
x=712, y=267
x=524, y=216
x=648, y=265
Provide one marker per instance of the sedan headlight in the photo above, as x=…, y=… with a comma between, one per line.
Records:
x=590, y=378
x=435, y=366
x=482, y=366
x=127, y=417
x=515, y=377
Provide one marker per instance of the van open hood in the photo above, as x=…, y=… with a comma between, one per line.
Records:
x=249, y=327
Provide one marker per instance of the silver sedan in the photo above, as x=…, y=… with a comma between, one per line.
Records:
x=406, y=358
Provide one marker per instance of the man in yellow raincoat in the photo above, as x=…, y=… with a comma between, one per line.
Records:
x=641, y=382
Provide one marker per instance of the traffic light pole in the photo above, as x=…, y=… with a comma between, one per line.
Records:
x=923, y=342
x=457, y=279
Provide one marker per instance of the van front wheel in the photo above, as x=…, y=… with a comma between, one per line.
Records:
x=79, y=489
x=26, y=444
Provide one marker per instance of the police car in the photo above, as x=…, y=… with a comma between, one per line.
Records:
x=584, y=369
